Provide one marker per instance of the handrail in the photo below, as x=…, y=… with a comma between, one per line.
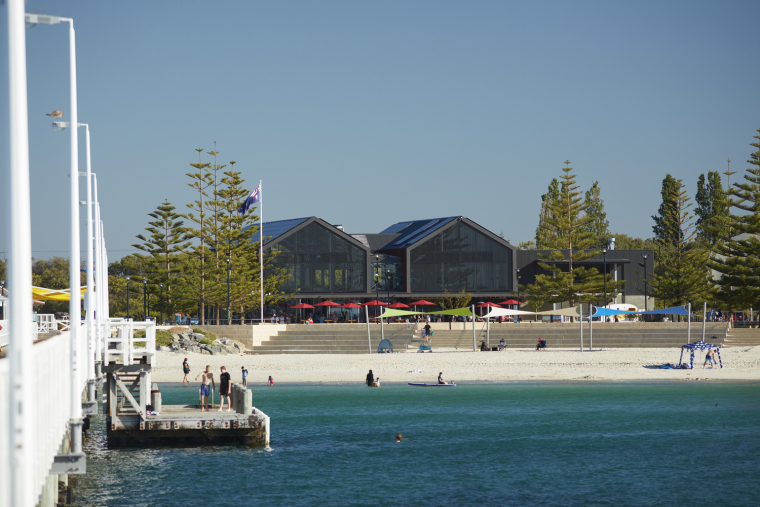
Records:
x=409, y=338
x=725, y=332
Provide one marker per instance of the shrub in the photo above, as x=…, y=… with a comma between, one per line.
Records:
x=208, y=334
x=207, y=341
x=163, y=338
x=139, y=333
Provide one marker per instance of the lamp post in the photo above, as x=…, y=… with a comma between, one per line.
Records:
x=2, y=294
x=128, y=316
x=518, y=288
x=145, y=298
x=646, y=287
x=228, y=291
x=604, y=251
x=388, y=281
x=377, y=284
x=161, y=306
x=75, y=304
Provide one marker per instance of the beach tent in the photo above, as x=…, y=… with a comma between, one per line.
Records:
x=385, y=346
x=700, y=345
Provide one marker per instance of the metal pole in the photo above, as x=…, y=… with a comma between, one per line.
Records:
x=474, y=346
x=161, y=307
x=605, y=277
x=75, y=304
x=590, y=327
x=369, y=338
x=21, y=381
x=98, y=266
x=688, y=323
x=90, y=302
x=128, y=297
x=580, y=319
x=704, y=317
x=488, y=331
x=261, y=250
x=145, y=299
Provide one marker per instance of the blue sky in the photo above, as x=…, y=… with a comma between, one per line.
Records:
x=370, y=113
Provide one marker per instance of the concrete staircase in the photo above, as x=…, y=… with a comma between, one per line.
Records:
x=742, y=337
x=352, y=338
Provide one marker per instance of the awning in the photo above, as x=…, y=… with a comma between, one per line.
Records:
x=43, y=294
x=606, y=312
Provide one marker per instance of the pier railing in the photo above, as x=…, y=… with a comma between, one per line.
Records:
x=50, y=402
x=121, y=346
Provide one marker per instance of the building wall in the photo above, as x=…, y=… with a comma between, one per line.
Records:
x=460, y=257
x=319, y=260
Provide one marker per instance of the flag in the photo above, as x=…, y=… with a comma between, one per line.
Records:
x=252, y=199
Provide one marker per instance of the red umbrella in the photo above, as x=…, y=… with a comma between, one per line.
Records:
x=375, y=302
x=327, y=303
x=302, y=305
x=422, y=302
x=351, y=305
x=511, y=302
x=398, y=305
x=485, y=305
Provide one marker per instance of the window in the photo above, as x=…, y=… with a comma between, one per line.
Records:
x=460, y=258
x=319, y=260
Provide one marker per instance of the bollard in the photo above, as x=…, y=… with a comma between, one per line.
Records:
x=240, y=401
x=233, y=393
x=247, y=402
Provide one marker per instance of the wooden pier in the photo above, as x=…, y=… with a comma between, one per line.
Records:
x=130, y=396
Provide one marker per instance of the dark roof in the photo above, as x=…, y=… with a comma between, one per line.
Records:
x=375, y=241
x=411, y=232
x=273, y=230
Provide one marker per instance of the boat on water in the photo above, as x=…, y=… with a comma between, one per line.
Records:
x=421, y=384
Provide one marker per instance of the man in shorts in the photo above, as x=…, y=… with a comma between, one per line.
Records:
x=245, y=376
x=224, y=389
x=207, y=380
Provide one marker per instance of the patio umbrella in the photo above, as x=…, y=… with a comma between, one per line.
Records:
x=375, y=302
x=328, y=304
x=398, y=305
x=511, y=302
x=302, y=305
x=422, y=302
x=351, y=305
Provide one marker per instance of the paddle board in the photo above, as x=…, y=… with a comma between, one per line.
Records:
x=420, y=384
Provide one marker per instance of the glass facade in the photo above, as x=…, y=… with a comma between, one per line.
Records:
x=460, y=258
x=319, y=260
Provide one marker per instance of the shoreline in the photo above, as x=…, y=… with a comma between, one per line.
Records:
x=514, y=365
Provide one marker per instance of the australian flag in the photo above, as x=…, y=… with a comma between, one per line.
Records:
x=252, y=199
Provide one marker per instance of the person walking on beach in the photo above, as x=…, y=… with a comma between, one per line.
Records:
x=245, y=376
x=224, y=390
x=370, y=378
x=186, y=369
x=440, y=378
x=207, y=380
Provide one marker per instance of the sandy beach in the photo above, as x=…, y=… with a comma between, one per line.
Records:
x=739, y=363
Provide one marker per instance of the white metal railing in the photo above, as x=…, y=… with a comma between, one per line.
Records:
x=121, y=334
x=50, y=399
x=46, y=323
x=4, y=333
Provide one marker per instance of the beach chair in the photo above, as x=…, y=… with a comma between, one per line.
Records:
x=425, y=348
x=542, y=345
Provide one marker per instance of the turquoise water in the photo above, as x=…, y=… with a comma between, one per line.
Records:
x=515, y=444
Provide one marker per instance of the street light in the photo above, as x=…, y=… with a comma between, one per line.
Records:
x=646, y=288
x=518, y=288
x=145, y=298
x=75, y=305
x=604, y=251
x=228, y=291
x=377, y=284
x=161, y=307
x=388, y=281
x=128, y=316
x=90, y=303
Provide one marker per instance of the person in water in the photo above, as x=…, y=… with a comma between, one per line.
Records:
x=398, y=437
x=271, y=380
x=370, y=378
x=440, y=378
x=376, y=383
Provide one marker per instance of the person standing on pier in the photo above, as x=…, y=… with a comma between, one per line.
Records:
x=224, y=389
x=207, y=380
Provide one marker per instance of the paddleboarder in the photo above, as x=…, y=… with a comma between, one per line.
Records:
x=440, y=378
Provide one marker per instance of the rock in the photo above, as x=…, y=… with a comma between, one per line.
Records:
x=216, y=350
x=197, y=336
x=194, y=349
x=223, y=352
x=206, y=352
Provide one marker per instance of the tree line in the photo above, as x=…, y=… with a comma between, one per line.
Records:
x=708, y=253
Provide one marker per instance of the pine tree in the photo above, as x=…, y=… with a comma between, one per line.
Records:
x=548, y=202
x=712, y=208
x=598, y=226
x=663, y=225
x=194, y=287
x=238, y=235
x=737, y=254
x=167, y=239
x=216, y=271
x=683, y=276
x=566, y=228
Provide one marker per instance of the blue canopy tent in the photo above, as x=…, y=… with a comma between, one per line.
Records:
x=700, y=345
x=385, y=347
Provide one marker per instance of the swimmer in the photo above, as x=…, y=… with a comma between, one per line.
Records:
x=399, y=438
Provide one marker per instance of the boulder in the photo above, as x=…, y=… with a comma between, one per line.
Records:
x=194, y=349
x=206, y=352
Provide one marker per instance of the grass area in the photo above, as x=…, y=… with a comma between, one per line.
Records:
x=208, y=334
x=207, y=341
x=139, y=333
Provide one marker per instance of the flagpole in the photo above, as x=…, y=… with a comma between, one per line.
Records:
x=261, y=250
